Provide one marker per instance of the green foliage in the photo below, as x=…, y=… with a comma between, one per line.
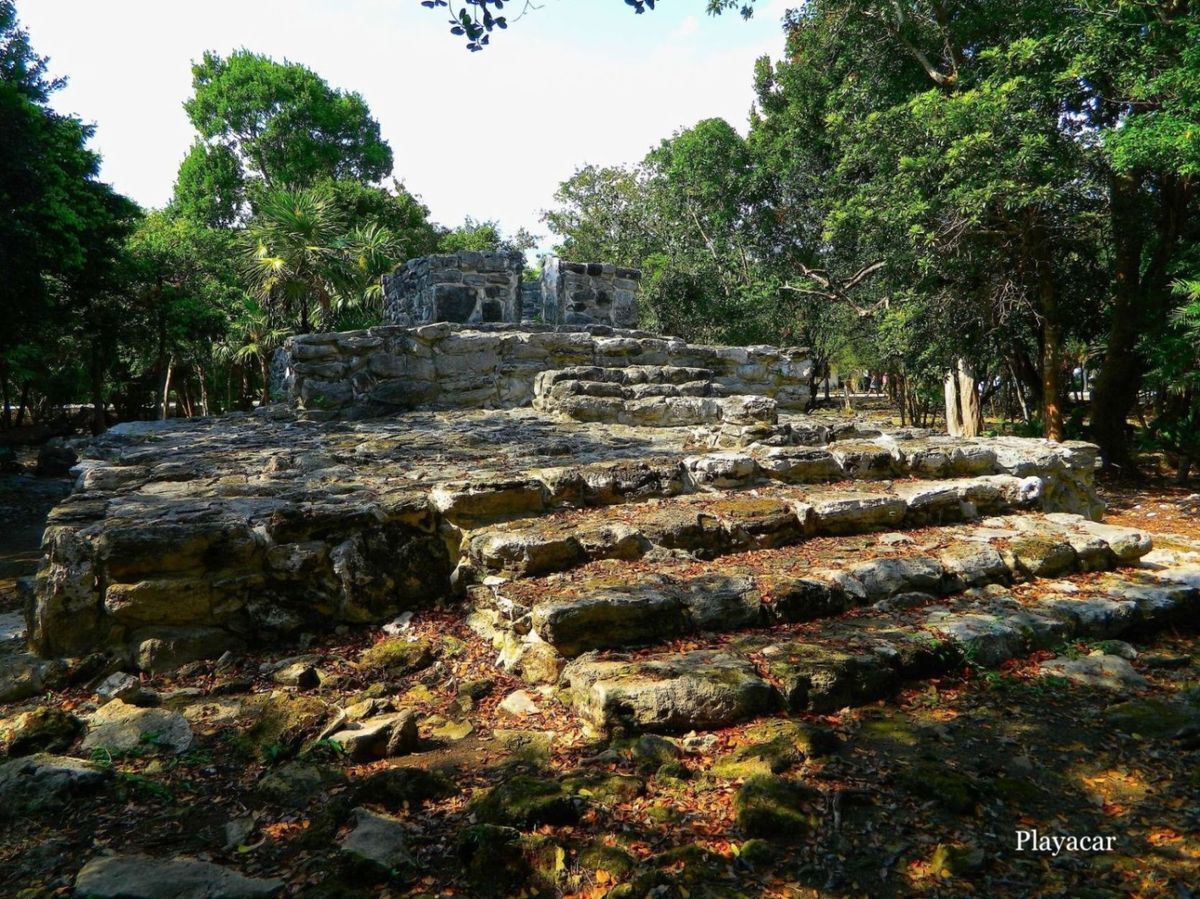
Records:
x=210, y=187
x=268, y=125
x=484, y=237
x=302, y=252
x=1175, y=375
x=59, y=223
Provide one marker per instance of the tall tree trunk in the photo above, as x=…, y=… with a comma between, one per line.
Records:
x=166, y=389
x=1115, y=388
x=954, y=419
x=266, y=376
x=1141, y=298
x=203, y=391
x=964, y=415
x=4, y=388
x=1027, y=374
x=96, y=374
x=1017, y=389
x=968, y=398
x=1052, y=420
x=23, y=404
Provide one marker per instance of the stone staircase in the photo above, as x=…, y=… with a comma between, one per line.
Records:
x=655, y=633
x=648, y=396
x=700, y=592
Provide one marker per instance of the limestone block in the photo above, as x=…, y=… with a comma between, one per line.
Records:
x=700, y=689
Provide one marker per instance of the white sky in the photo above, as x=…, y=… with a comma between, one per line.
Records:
x=488, y=134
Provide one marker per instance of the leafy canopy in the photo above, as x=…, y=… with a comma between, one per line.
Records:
x=266, y=125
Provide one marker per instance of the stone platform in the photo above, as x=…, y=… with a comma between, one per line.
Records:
x=389, y=369
x=185, y=539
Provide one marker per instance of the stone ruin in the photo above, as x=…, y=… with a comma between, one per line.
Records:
x=487, y=288
x=578, y=490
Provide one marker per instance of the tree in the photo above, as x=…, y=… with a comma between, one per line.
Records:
x=1174, y=375
x=210, y=187
x=254, y=335
x=978, y=153
x=293, y=255
x=485, y=237
x=304, y=260
x=1141, y=63
x=186, y=282
x=395, y=209
x=600, y=214
x=264, y=125
x=61, y=233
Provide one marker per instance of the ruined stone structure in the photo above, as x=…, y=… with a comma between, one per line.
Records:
x=486, y=288
x=518, y=471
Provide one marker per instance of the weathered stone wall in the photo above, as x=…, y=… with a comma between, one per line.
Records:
x=587, y=293
x=475, y=288
x=459, y=287
x=390, y=368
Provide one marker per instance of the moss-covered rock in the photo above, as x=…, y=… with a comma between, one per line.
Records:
x=756, y=853
x=776, y=746
x=616, y=862
x=604, y=787
x=663, y=813
x=524, y=801
x=776, y=807
x=547, y=860
x=532, y=746
x=810, y=739
x=44, y=729
x=476, y=690
x=499, y=861
x=398, y=656
x=398, y=787
x=682, y=871
x=673, y=772
x=297, y=783
x=889, y=728
x=935, y=781
x=1019, y=792
x=1042, y=556
x=651, y=752
x=949, y=860
x=276, y=725
x=1153, y=718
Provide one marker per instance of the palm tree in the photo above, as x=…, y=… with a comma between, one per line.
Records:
x=294, y=252
x=369, y=252
x=253, y=336
x=300, y=250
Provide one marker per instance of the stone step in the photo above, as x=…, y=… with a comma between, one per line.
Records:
x=862, y=657
x=629, y=375
x=538, y=624
x=649, y=396
x=710, y=525
x=1065, y=471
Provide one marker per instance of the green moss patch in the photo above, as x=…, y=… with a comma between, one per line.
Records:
x=776, y=807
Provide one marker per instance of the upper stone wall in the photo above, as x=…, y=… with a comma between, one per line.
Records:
x=465, y=287
x=486, y=288
x=589, y=293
